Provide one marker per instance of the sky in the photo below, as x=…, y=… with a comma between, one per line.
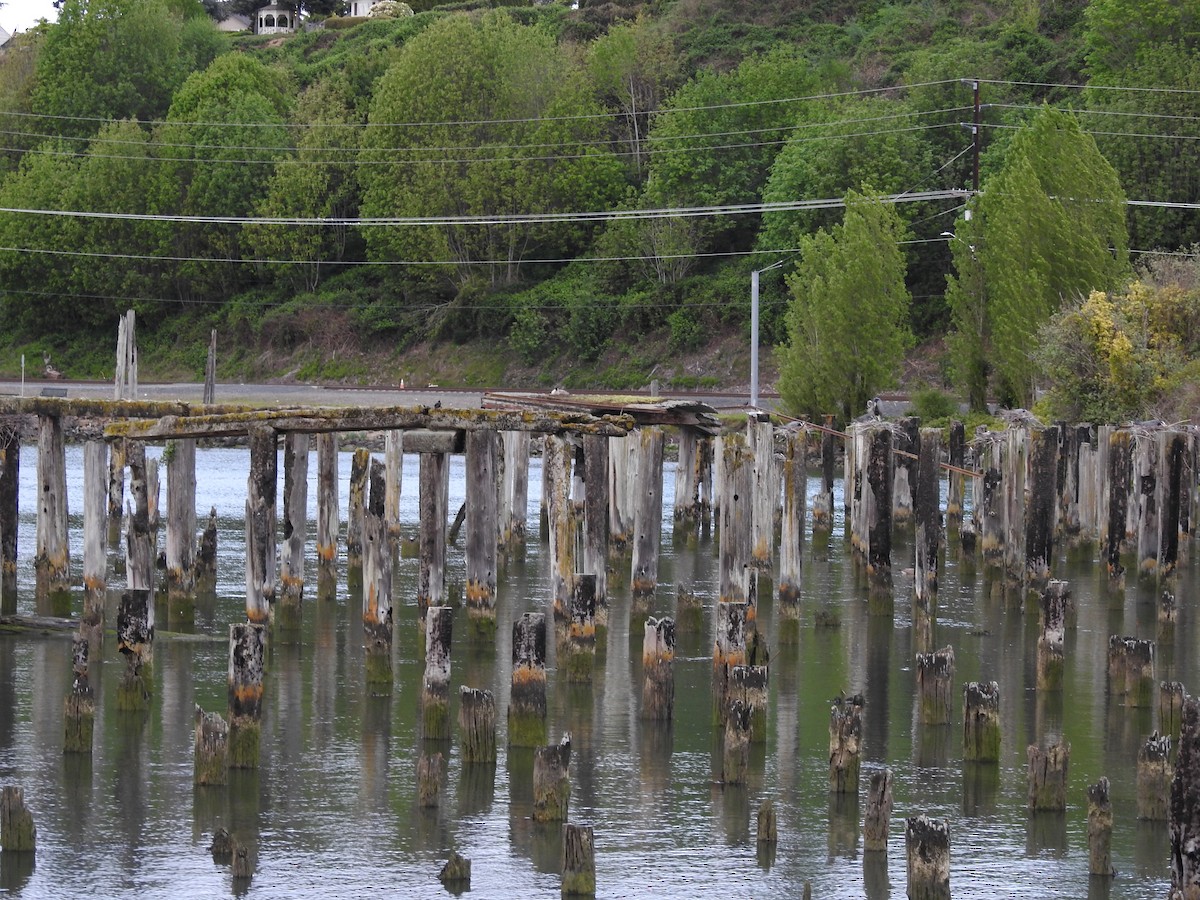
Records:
x=19, y=15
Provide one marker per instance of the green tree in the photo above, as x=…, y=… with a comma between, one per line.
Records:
x=848, y=319
x=1048, y=226
x=483, y=117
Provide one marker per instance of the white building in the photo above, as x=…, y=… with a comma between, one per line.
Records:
x=277, y=18
x=361, y=7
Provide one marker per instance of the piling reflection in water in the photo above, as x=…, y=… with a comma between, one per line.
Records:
x=339, y=761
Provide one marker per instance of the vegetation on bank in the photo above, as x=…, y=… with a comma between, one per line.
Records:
x=541, y=195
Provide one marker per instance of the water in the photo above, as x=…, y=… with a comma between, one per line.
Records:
x=332, y=808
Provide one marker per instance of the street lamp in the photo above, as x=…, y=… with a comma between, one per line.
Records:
x=754, y=330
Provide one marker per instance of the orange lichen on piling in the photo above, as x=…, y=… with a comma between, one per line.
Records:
x=528, y=675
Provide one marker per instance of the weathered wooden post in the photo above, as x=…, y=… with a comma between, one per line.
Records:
x=647, y=522
x=729, y=650
x=210, y=370
x=180, y=457
x=957, y=454
x=1050, y=648
x=622, y=484
x=377, y=584
x=429, y=780
x=139, y=559
x=578, y=861
x=877, y=512
x=210, y=752
x=125, y=377
x=1016, y=469
x=1170, y=707
x=79, y=714
x=95, y=559
x=393, y=461
x=927, y=846
x=434, y=498
x=1047, y=776
x=116, y=488
x=10, y=471
x=153, y=513
x=906, y=451
x=455, y=875
x=935, y=674
x=989, y=499
x=295, y=530
x=686, y=515
x=260, y=524
x=477, y=725
x=1184, y=826
x=360, y=473
x=735, y=745
x=1041, y=505
x=737, y=471
x=878, y=817
x=658, y=676
x=760, y=435
x=845, y=744
x=823, y=501
x=1100, y=830
x=135, y=639
x=595, y=524
x=514, y=490
x=766, y=832
x=247, y=646
x=1119, y=468
x=1172, y=502
x=17, y=831
x=327, y=515
x=791, y=544
x=527, y=698
x=578, y=653
x=556, y=461
x=981, y=721
x=52, y=564
x=552, y=781
x=482, y=535
x=206, y=555
x=748, y=684
x=1145, y=496
x=928, y=538
x=435, y=688
x=1154, y=775
x=1088, y=500
x=1131, y=670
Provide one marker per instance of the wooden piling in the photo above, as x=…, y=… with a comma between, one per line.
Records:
x=206, y=555
x=1051, y=642
x=658, y=670
x=139, y=558
x=1099, y=826
x=52, y=564
x=1172, y=490
x=1131, y=670
x=1145, y=497
x=688, y=504
x=295, y=531
x=552, y=781
x=247, y=654
x=578, y=861
x=791, y=544
x=482, y=535
x=1184, y=828
x=878, y=817
x=957, y=452
x=95, y=531
x=647, y=523
x=1088, y=502
x=737, y=471
x=906, y=450
x=822, y=517
x=79, y=713
x=1016, y=469
x=435, y=688
x=1041, y=506
x=377, y=584
x=928, y=519
x=456, y=874
x=429, y=780
x=180, y=457
x=1047, y=776
x=261, y=516
x=981, y=721
x=595, y=523
x=393, y=461
x=729, y=650
x=360, y=472
x=514, y=491
x=845, y=744
x=210, y=754
x=877, y=503
x=748, y=684
x=125, y=377
x=935, y=676
x=477, y=725
x=210, y=370
x=1154, y=775
x=735, y=746
x=1170, y=707
x=577, y=657
x=135, y=640
x=116, y=482
x=17, y=831
x=1119, y=470
x=153, y=513
x=434, y=498
x=927, y=847
x=527, y=698
x=556, y=461
x=767, y=824
x=327, y=515
x=10, y=472
x=622, y=484
x=760, y=435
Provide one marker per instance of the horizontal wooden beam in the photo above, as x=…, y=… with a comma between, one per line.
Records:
x=385, y=418
x=98, y=408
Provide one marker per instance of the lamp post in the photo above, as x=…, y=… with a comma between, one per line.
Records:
x=754, y=330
